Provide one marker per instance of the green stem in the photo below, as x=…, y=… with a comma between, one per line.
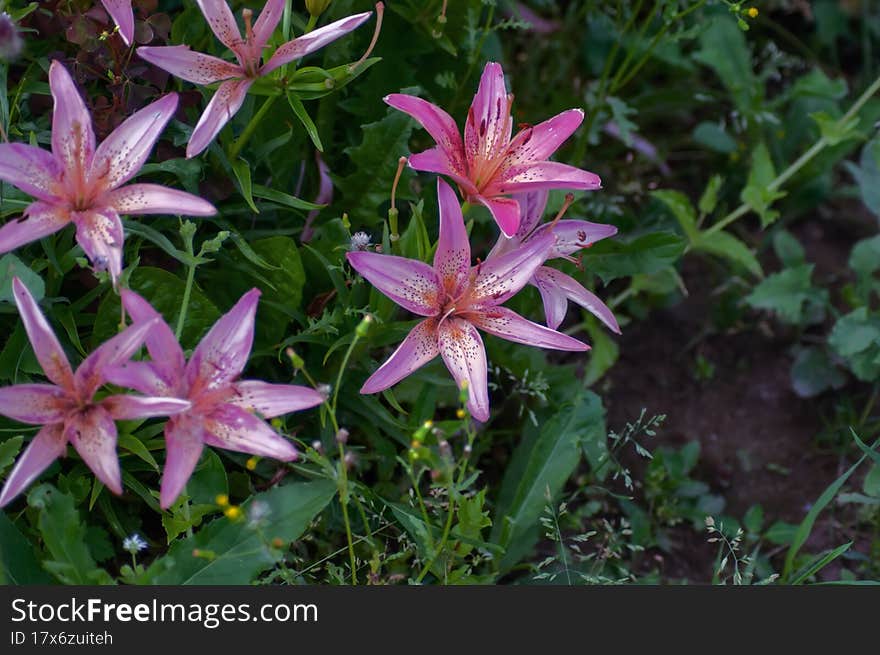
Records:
x=800, y=162
x=187, y=290
x=251, y=127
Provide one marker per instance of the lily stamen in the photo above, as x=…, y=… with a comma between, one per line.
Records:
x=380, y=11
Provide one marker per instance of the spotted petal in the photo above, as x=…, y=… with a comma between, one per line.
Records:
x=226, y=102
x=539, y=142
x=452, y=260
x=509, y=325
x=127, y=407
x=419, y=348
x=499, y=278
x=189, y=65
x=505, y=211
x=440, y=125
x=314, y=40
x=542, y=175
x=93, y=433
x=488, y=127
x=557, y=289
x=410, y=283
x=266, y=23
x=46, y=347
x=31, y=169
x=572, y=236
x=183, y=447
x=167, y=355
x=234, y=428
x=156, y=199
x=35, y=404
x=464, y=355
x=48, y=445
x=73, y=140
x=91, y=374
x=271, y=400
x=222, y=354
x=39, y=220
x=122, y=154
x=100, y=235
x=222, y=22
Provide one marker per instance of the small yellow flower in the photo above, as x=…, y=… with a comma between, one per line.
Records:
x=752, y=12
x=222, y=500
x=233, y=512
x=461, y=413
x=251, y=464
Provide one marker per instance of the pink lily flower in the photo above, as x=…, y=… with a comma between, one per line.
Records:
x=84, y=185
x=556, y=287
x=123, y=15
x=456, y=299
x=487, y=164
x=236, y=79
x=222, y=407
x=67, y=409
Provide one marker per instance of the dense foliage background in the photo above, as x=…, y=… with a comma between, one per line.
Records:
x=724, y=437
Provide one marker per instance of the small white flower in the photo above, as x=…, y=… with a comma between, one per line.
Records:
x=134, y=544
x=360, y=241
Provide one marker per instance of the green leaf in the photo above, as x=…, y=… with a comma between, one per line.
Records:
x=818, y=563
x=787, y=293
x=871, y=483
x=64, y=536
x=867, y=174
x=864, y=259
x=163, y=290
x=709, y=199
x=757, y=194
x=603, y=354
x=283, y=199
x=242, y=171
x=724, y=244
x=137, y=447
x=620, y=113
x=813, y=372
x=10, y=267
x=788, y=249
x=9, y=450
x=724, y=49
x=18, y=559
x=543, y=461
x=235, y=552
x=835, y=130
x=856, y=337
x=299, y=109
x=375, y=163
x=682, y=209
x=714, y=137
x=649, y=253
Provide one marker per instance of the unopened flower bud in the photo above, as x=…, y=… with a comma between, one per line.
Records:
x=317, y=7
x=342, y=436
x=364, y=326
x=10, y=41
x=295, y=359
x=317, y=446
x=349, y=460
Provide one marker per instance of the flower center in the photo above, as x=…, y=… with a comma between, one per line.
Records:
x=493, y=137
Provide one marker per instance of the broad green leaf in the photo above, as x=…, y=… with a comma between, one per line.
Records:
x=603, y=354
x=64, y=536
x=757, y=194
x=867, y=174
x=714, y=137
x=788, y=249
x=835, y=131
x=11, y=267
x=543, y=461
x=790, y=295
x=725, y=50
x=724, y=244
x=620, y=113
x=864, y=259
x=682, y=209
x=813, y=372
x=9, y=450
x=18, y=559
x=856, y=337
x=649, y=253
x=236, y=552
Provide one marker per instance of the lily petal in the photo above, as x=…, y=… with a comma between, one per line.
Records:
x=509, y=325
x=465, y=356
x=542, y=175
x=572, y=236
x=140, y=376
x=168, y=357
x=93, y=433
x=419, y=348
x=557, y=289
x=222, y=354
x=452, y=260
x=531, y=207
x=226, y=102
x=438, y=124
x=33, y=170
x=121, y=13
x=47, y=446
x=39, y=220
x=222, y=22
x=35, y=404
x=488, y=127
x=539, y=142
x=183, y=447
x=156, y=199
x=499, y=278
x=100, y=235
x=438, y=160
x=49, y=353
x=127, y=408
x=505, y=211
x=91, y=373
x=73, y=140
x=122, y=154
x=266, y=23
x=314, y=40
x=271, y=400
x=234, y=428
x=410, y=283
x=189, y=65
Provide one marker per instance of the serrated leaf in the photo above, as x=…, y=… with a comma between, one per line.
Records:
x=757, y=194
x=649, y=253
x=787, y=293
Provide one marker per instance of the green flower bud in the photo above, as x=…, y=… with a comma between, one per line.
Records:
x=317, y=7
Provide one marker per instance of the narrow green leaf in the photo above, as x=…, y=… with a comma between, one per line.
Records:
x=242, y=171
x=299, y=109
